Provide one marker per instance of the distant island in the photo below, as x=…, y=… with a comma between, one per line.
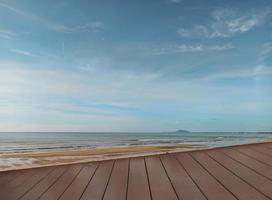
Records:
x=182, y=131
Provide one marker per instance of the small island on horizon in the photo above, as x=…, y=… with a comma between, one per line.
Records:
x=182, y=131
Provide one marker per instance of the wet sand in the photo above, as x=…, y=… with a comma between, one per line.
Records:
x=22, y=160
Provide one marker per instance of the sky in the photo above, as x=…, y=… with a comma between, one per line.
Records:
x=145, y=65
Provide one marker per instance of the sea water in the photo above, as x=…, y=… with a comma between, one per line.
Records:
x=37, y=141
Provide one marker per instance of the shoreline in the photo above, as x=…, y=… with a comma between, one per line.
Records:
x=84, y=155
x=24, y=160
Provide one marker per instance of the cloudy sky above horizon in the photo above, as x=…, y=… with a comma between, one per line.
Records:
x=146, y=65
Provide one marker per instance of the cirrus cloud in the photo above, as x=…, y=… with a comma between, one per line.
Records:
x=227, y=23
x=184, y=48
x=91, y=26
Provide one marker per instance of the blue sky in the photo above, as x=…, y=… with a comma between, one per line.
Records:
x=145, y=65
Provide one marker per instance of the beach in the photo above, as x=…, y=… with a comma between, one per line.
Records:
x=23, y=160
x=28, y=150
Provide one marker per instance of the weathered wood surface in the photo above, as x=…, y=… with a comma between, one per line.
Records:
x=239, y=172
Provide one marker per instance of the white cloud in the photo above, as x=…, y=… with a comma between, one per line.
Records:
x=6, y=34
x=88, y=27
x=91, y=64
x=132, y=88
x=42, y=98
x=189, y=48
x=175, y=1
x=196, y=30
x=266, y=52
x=226, y=23
x=91, y=26
x=23, y=52
x=87, y=68
x=253, y=72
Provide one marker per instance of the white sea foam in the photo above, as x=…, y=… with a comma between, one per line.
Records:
x=14, y=163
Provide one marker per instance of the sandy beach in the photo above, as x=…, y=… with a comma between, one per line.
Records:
x=47, y=149
x=22, y=160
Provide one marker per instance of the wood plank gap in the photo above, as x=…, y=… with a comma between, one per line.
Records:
x=54, y=182
x=190, y=177
x=57, y=189
x=169, y=179
x=254, y=157
x=37, y=182
x=38, y=196
x=71, y=182
x=214, y=177
x=128, y=178
x=261, y=150
x=247, y=165
x=148, y=180
x=108, y=180
x=256, y=189
x=98, y=164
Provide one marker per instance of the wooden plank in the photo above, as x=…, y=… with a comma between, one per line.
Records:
x=20, y=179
x=256, y=155
x=117, y=187
x=263, y=150
x=243, y=172
x=138, y=187
x=75, y=190
x=258, y=166
x=160, y=185
x=212, y=189
x=259, y=182
x=238, y=187
x=96, y=188
x=268, y=145
x=45, y=184
x=54, y=192
x=15, y=193
x=185, y=187
x=6, y=177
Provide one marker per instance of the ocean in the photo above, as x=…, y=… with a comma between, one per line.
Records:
x=38, y=141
